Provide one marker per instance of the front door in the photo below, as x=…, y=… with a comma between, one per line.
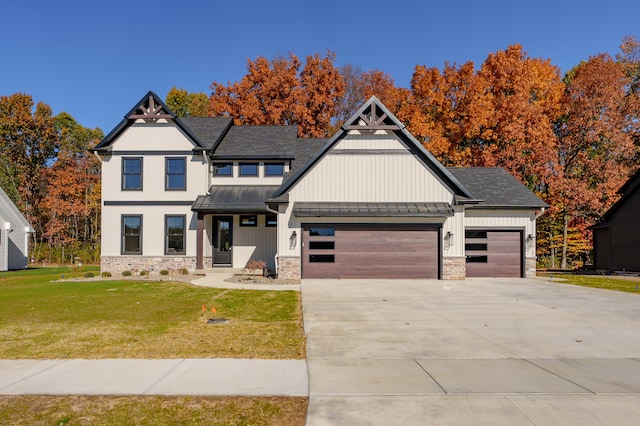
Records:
x=222, y=241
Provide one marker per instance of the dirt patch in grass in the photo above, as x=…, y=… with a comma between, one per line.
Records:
x=152, y=410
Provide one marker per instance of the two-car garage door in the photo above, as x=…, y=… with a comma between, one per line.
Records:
x=370, y=251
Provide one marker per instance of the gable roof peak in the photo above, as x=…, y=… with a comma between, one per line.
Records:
x=150, y=107
x=373, y=115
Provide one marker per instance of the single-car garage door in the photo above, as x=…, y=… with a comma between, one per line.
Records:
x=494, y=253
x=370, y=251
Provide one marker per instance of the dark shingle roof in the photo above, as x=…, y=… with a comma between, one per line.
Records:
x=208, y=130
x=260, y=141
x=496, y=188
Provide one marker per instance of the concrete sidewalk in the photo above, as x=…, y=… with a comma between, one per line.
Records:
x=216, y=279
x=255, y=377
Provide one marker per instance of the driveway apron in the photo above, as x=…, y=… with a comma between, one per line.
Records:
x=479, y=351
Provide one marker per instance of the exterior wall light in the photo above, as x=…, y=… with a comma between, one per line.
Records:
x=529, y=241
x=448, y=240
x=293, y=240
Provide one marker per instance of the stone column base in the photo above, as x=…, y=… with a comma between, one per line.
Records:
x=530, y=267
x=454, y=268
x=289, y=267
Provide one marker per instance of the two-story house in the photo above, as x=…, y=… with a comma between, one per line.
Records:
x=200, y=192
x=15, y=231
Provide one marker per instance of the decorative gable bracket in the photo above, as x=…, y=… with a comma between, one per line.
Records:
x=150, y=110
x=371, y=119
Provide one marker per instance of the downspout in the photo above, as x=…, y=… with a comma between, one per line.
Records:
x=540, y=213
x=275, y=258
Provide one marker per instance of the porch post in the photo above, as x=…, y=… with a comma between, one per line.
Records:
x=200, y=241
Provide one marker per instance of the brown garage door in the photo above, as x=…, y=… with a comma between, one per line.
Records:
x=493, y=253
x=370, y=251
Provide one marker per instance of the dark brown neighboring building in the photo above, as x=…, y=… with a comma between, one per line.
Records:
x=617, y=237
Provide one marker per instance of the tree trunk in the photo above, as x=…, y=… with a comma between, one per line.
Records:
x=565, y=231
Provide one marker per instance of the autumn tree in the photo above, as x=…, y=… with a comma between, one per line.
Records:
x=28, y=142
x=279, y=92
x=595, y=146
x=438, y=111
x=359, y=86
x=185, y=104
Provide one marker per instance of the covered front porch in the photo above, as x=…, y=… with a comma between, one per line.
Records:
x=235, y=226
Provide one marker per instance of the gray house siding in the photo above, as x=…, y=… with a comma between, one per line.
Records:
x=14, y=235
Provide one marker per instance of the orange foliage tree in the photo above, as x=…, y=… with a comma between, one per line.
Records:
x=279, y=92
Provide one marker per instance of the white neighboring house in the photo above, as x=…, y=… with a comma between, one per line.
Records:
x=14, y=235
x=370, y=202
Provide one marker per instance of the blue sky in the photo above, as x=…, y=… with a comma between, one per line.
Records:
x=95, y=59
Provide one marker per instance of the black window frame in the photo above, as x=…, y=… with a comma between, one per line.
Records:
x=241, y=165
x=124, y=235
x=322, y=258
x=314, y=231
x=253, y=220
x=477, y=259
x=124, y=174
x=167, y=235
x=280, y=173
x=271, y=220
x=215, y=171
x=167, y=174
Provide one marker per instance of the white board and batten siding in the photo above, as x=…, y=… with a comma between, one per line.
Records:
x=358, y=169
x=253, y=243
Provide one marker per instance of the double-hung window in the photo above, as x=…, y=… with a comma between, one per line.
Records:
x=176, y=174
x=174, y=231
x=132, y=174
x=132, y=234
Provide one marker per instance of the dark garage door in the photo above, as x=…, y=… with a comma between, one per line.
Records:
x=370, y=251
x=493, y=253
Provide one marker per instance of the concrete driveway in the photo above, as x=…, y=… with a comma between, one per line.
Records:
x=480, y=351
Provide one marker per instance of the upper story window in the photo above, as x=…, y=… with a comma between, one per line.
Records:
x=132, y=173
x=223, y=169
x=248, y=169
x=176, y=174
x=274, y=169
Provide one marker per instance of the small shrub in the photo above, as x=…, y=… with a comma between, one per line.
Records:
x=143, y=273
x=89, y=275
x=256, y=264
x=126, y=273
x=164, y=272
x=106, y=274
x=184, y=271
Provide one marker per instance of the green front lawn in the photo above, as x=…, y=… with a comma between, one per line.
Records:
x=142, y=319
x=626, y=284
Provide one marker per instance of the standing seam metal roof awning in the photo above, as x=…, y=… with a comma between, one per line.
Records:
x=345, y=209
x=234, y=199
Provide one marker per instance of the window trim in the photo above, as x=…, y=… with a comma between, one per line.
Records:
x=229, y=175
x=166, y=174
x=123, y=235
x=257, y=166
x=266, y=173
x=252, y=224
x=166, y=235
x=123, y=174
